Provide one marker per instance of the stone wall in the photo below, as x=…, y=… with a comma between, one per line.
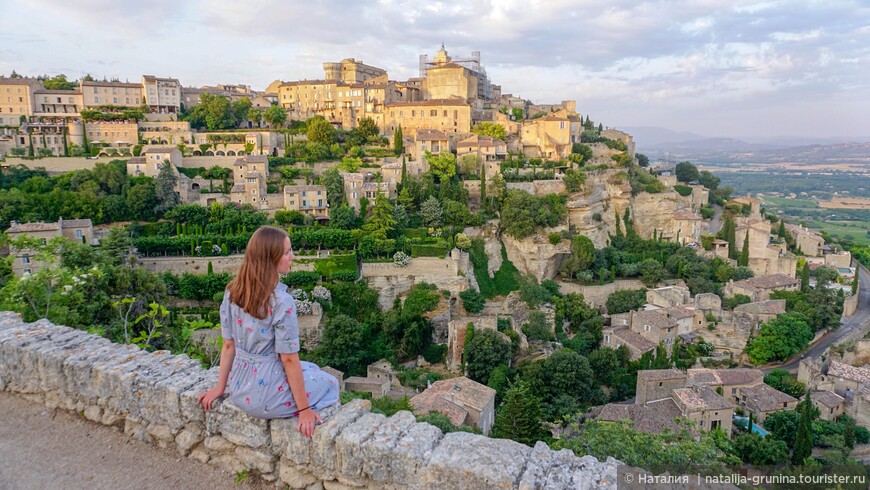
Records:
x=199, y=265
x=392, y=280
x=597, y=295
x=152, y=396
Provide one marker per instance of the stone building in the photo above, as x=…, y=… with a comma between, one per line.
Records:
x=487, y=148
x=432, y=140
x=447, y=115
x=462, y=78
x=79, y=230
x=378, y=388
x=162, y=95
x=350, y=70
x=551, y=136
x=96, y=93
x=392, y=172
x=250, y=174
x=808, y=241
x=759, y=288
x=16, y=99
x=705, y=407
x=830, y=404
x=358, y=186
x=687, y=227
x=618, y=135
x=463, y=401
x=307, y=199
x=656, y=384
x=152, y=159
x=762, y=400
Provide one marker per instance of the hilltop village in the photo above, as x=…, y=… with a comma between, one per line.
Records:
x=491, y=264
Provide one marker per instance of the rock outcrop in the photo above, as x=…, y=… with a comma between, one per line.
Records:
x=535, y=256
x=152, y=396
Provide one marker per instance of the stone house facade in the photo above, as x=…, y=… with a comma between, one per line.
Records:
x=463, y=401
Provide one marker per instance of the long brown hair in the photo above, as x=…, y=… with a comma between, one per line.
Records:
x=258, y=275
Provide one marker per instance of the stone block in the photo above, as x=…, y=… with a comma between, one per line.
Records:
x=161, y=432
x=94, y=413
x=237, y=427
x=218, y=444
x=494, y=463
x=228, y=463
x=256, y=460
x=293, y=477
x=349, y=442
x=191, y=410
x=289, y=442
x=412, y=452
x=200, y=455
x=187, y=439
x=323, y=442
x=379, y=450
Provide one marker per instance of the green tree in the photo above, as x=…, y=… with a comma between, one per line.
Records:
x=625, y=300
x=381, y=223
x=493, y=130
x=651, y=272
x=59, y=82
x=785, y=382
x=744, y=254
x=605, y=363
x=240, y=109
x=255, y=115
x=582, y=256
x=340, y=348
x=164, y=188
x=117, y=246
x=320, y=131
x=368, y=127
x=214, y=112
x=334, y=184
x=343, y=217
x=757, y=450
x=642, y=159
x=803, y=442
x=472, y=300
x=275, y=116
x=708, y=180
x=537, y=327
x=563, y=382
x=398, y=141
x=519, y=416
x=442, y=165
x=142, y=201
x=780, y=338
x=486, y=350
x=430, y=212
x=686, y=172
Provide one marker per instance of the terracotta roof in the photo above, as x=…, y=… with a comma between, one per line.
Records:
x=775, y=281
x=653, y=318
x=360, y=382
x=652, y=417
x=700, y=398
x=633, y=339
x=76, y=223
x=826, y=398
x=237, y=188
x=726, y=377
x=678, y=312
x=766, y=399
x=430, y=135
x=461, y=391
x=840, y=370
x=33, y=227
x=769, y=307
x=454, y=412
x=660, y=374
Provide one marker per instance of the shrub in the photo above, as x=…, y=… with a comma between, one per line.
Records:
x=301, y=278
x=472, y=300
x=683, y=190
x=435, y=353
x=401, y=259
x=346, y=276
x=537, y=327
x=554, y=238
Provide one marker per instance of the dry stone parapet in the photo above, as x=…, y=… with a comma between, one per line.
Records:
x=152, y=395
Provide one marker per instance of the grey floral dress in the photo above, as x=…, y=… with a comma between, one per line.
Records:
x=257, y=383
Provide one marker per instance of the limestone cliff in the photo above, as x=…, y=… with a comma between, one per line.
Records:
x=652, y=212
x=535, y=255
x=592, y=211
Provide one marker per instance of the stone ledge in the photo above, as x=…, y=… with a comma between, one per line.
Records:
x=153, y=396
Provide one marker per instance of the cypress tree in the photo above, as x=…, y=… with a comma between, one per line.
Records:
x=732, y=240
x=483, y=185
x=744, y=254
x=85, y=146
x=805, y=277
x=519, y=417
x=618, y=229
x=849, y=434
x=404, y=173
x=803, y=441
x=398, y=143
x=210, y=270
x=65, y=147
x=30, y=151
x=855, y=285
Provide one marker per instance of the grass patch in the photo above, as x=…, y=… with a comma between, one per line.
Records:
x=853, y=230
x=506, y=279
x=335, y=263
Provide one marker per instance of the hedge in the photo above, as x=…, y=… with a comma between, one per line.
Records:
x=301, y=278
x=683, y=190
x=181, y=245
x=314, y=237
x=429, y=250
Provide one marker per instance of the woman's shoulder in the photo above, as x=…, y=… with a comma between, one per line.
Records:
x=282, y=294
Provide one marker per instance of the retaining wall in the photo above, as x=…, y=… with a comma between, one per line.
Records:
x=153, y=397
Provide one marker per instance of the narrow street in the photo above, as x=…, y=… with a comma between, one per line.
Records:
x=859, y=321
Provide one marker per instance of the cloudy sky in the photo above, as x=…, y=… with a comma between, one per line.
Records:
x=729, y=68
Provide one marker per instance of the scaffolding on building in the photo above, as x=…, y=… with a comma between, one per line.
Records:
x=484, y=85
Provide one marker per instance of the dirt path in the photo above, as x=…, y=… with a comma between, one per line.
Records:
x=44, y=449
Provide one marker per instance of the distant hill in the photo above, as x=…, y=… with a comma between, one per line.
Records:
x=723, y=150
x=649, y=136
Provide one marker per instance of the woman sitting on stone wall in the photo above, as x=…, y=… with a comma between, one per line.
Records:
x=259, y=365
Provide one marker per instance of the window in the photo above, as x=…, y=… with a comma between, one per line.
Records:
x=27, y=271
x=433, y=112
x=647, y=328
x=25, y=260
x=79, y=234
x=562, y=125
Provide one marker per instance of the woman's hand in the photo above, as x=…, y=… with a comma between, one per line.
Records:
x=207, y=399
x=307, y=420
